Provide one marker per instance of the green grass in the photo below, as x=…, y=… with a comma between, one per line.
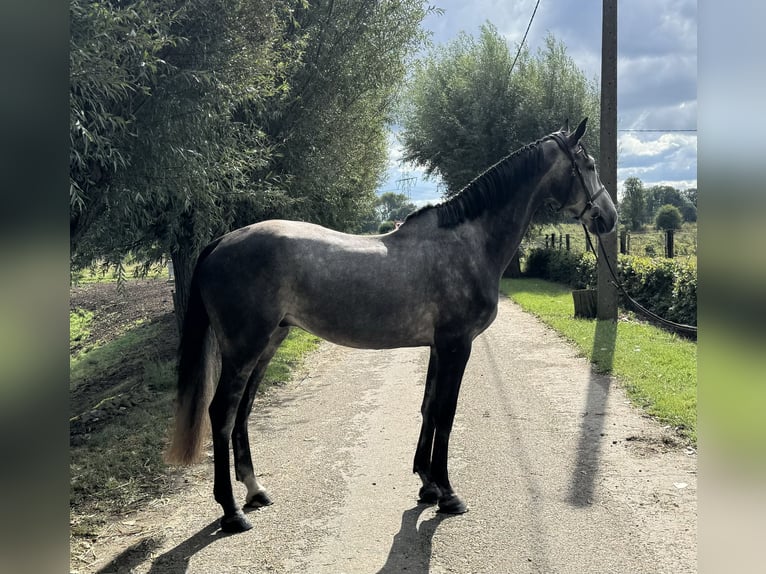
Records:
x=657, y=369
x=130, y=269
x=290, y=356
x=80, y=321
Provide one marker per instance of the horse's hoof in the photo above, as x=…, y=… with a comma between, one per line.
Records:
x=259, y=499
x=429, y=493
x=235, y=523
x=452, y=504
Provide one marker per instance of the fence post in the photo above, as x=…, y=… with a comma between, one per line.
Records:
x=624, y=242
x=561, y=239
x=669, y=247
x=553, y=241
x=569, y=246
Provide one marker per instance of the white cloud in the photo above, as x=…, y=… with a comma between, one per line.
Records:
x=630, y=144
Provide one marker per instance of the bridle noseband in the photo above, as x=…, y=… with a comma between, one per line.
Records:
x=564, y=145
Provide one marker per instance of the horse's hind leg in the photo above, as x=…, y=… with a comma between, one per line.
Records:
x=243, y=462
x=223, y=411
x=429, y=492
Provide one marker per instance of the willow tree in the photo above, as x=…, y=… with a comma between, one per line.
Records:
x=331, y=124
x=187, y=142
x=251, y=109
x=466, y=108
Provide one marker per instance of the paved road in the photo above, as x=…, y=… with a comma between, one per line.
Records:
x=560, y=474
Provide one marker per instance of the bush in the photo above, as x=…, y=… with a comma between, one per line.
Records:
x=667, y=287
x=577, y=270
x=668, y=217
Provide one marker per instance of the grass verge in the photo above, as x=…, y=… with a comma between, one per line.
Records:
x=657, y=369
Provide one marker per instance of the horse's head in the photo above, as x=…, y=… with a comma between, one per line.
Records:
x=578, y=190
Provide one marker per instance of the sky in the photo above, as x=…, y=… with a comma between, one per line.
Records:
x=656, y=78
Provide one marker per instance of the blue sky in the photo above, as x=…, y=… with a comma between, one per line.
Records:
x=656, y=77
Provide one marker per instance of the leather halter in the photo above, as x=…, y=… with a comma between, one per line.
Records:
x=562, y=142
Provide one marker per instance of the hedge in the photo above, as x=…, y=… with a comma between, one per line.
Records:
x=668, y=287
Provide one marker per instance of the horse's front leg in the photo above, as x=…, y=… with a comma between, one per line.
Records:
x=429, y=492
x=453, y=356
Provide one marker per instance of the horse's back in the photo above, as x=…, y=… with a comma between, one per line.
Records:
x=363, y=291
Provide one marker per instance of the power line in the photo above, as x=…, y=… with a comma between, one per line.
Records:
x=524, y=38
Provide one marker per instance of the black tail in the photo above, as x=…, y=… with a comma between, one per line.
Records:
x=196, y=377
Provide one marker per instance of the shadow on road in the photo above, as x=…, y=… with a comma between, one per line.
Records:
x=411, y=549
x=592, y=427
x=174, y=561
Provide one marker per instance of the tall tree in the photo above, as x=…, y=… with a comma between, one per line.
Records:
x=393, y=206
x=633, y=204
x=331, y=125
x=191, y=142
x=467, y=109
x=253, y=109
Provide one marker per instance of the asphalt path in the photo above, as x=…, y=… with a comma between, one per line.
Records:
x=561, y=474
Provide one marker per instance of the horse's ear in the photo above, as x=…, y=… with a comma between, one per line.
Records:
x=574, y=138
x=565, y=127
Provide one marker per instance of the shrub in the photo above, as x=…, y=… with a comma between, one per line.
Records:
x=667, y=287
x=577, y=270
x=668, y=217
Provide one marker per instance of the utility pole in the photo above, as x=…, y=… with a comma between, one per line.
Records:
x=607, y=292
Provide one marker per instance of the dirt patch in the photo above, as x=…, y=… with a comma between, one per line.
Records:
x=116, y=307
x=142, y=309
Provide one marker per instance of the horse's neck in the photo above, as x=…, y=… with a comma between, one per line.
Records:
x=505, y=227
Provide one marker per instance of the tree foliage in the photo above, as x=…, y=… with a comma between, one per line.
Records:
x=393, y=206
x=640, y=205
x=467, y=109
x=331, y=124
x=192, y=118
x=668, y=217
x=633, y=207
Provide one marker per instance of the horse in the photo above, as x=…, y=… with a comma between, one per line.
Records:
x=442, y=270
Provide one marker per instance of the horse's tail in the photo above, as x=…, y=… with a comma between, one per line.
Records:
x=198, y=361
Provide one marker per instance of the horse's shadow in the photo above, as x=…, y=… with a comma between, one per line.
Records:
x=175, y=560
x=411, y=549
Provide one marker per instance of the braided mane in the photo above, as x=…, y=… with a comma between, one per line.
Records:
x=490, y=190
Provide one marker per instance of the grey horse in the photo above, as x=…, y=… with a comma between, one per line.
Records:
x=432, y=282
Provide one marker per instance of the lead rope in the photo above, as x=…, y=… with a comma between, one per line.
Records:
x=680, y=327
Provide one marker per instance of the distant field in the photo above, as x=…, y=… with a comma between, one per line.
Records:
x=647, y=242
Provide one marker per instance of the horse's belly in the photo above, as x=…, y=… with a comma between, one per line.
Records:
x=355, y=332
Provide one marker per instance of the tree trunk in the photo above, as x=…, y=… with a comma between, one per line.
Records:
x=183, y=267
x=514, y=267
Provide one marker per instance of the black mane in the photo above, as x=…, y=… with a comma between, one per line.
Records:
x=489, y=190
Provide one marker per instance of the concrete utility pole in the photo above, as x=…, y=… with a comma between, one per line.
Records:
x=607, y=292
